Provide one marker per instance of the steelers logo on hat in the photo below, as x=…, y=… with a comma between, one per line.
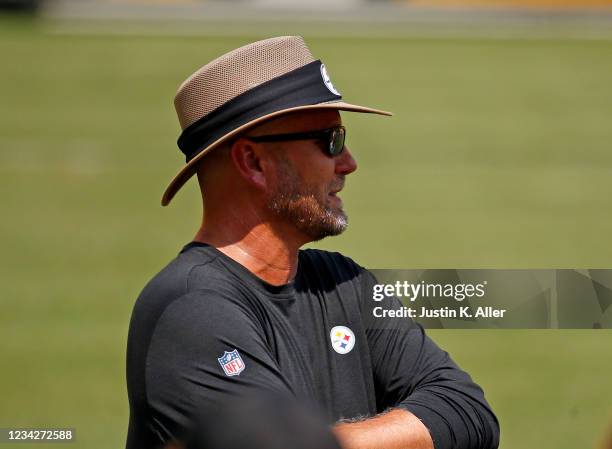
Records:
x=342, y=339
x=327, y=81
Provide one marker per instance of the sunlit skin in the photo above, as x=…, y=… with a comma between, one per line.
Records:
x=237, y=182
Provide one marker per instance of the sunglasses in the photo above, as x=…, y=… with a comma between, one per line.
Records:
x=333, y=137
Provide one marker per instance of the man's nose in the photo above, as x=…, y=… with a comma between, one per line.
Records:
x=345, y=163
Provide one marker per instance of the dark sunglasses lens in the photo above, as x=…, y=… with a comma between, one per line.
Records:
x=336, y=142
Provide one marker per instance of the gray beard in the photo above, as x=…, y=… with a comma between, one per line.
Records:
x=308, y=215
x=304, y=207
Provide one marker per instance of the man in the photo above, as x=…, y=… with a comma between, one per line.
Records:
x=243, y=310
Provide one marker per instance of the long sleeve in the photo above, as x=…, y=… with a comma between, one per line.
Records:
x=184, y=373
x=413, y=373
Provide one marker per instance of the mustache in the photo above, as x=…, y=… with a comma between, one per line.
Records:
x=337, y=184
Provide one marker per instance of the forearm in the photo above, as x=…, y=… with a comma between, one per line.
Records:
x=412, y=373
x=397, y=429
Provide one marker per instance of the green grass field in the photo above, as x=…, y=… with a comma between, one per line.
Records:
x=499, y=155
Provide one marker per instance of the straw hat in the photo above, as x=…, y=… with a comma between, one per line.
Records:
x=245, y=87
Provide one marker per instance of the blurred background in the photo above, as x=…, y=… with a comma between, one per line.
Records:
x=498, y=156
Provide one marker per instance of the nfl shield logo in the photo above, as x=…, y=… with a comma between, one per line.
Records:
x=232, y=363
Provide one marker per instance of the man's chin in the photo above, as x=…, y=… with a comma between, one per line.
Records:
x=335, y=223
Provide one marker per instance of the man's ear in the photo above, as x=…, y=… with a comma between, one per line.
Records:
x=247, y=159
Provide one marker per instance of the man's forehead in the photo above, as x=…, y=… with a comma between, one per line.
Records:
x=298, y=121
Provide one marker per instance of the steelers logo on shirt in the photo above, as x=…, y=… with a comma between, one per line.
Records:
x=342, y=339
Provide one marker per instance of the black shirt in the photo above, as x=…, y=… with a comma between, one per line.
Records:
x=205, y=329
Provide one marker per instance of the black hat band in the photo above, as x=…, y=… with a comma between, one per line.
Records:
x=300, y=87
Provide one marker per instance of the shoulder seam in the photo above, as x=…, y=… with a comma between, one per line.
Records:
x=193, y=268
x=153, y=332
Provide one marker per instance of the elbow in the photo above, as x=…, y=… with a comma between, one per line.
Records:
x=490, y=431
x=495, y=432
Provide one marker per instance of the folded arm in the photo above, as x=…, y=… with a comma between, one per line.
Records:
x=413, y=374
x=397, y=429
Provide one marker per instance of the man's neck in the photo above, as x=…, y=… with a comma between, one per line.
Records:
x=267, y=250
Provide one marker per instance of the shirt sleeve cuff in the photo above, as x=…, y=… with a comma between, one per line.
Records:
x=438, y=427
